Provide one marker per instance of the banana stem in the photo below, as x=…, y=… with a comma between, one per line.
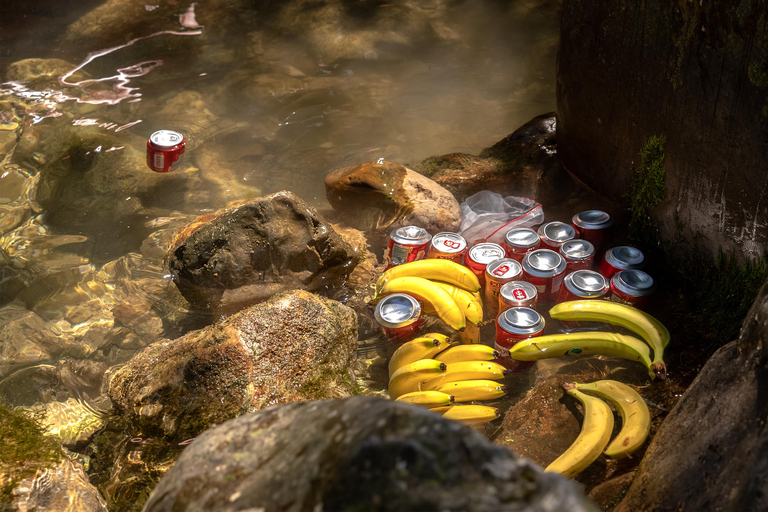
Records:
x=659, y=370
x=569, y=386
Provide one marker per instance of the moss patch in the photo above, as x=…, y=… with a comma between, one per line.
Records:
x=647, y=189
x=25, y=449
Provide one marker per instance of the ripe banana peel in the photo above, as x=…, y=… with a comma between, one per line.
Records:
x=467, y=370
x=635, y=417
x=629, y=317
x=428, y=399
x=593, y=438
x=433, y=269
x=408, y=378
x=468, y=414
x=424, y=289
x=474, y=352
x=468, y=390
x=423, y=347
x=470, y=303
x=583, y=343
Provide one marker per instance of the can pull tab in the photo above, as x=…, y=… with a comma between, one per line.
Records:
x=380, y=161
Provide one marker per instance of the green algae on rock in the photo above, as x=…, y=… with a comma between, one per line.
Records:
x=72, y=422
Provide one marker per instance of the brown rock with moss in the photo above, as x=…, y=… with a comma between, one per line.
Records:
x=296, y=346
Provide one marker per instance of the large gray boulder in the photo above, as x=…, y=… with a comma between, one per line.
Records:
x=694, y=73
x=295, y=346
x=711, y=452
x=360, y=453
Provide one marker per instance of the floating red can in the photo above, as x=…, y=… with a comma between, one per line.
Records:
x=583, y=284
x=632, y=287
x=545, y=269
x=447, y=246
x=406, y=244
x=480, y=255
x=513, y=326
x=165, y=150
x=399, y=315
x=520, y=241
x=620, y=258
x=553, y=234
x=579, y=255
x=595, y=226
x=497, y=273
x=517, y=294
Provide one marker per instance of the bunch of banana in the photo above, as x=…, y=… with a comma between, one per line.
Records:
x=451, y=290
x=431, y=372
x=631, y=318
x=596, y=429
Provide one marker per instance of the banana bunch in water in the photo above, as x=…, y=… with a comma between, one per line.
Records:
x=451, y=291
x=432, y=372
x=595, y=435
x=649, y=352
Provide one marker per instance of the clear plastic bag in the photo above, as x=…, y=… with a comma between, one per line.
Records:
x=487, y=216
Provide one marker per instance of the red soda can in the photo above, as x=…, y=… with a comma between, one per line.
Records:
x=583, y=284
x=620, y=258
x=406, y=244
x=520, y=241
x=165, y=150
x=516, y=294
x=594, y=226
x=480, y=255
x=578, y=254
x=632, y=287
x=497, y=273
x=447, y=246
x=399, y=315
x=553, y=234
x=545, y=269
x=513, y=326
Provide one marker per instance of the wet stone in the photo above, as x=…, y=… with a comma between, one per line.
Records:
x=360, y=453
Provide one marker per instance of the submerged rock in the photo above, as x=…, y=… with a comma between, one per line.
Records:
x=361, y=453
x=387, y=195
x=241, y=255
x=72, y=422
x=295, y=346
x=710, y=452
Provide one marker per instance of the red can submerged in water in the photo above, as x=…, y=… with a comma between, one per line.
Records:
x=594, y=226
x=165, y=150
x=579, y=255
x=447, y=246
x=632, y=287
x=554, y=234
x=497, y=273
x=480, y=255
x=621, y=258
x=583, y=284
x=513, y=326
x=399, y=315
x=516, y=294
x=545, y=270
x=406, y=244
x=520, y=241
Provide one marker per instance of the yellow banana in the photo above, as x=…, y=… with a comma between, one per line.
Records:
x=583, y=343
x=469, y=414
x=637, y=321
x=474, y=352
x=409, y=377
x=440, y=270
x=467, y=370
x=445, y=307
x=423, y=347
x=428, y=399
x=592, y=440
x=470, y=335
x=635, y=417
x=468, y=390
x=470, y=303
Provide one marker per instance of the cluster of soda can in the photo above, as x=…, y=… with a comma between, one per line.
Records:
x=552, y=264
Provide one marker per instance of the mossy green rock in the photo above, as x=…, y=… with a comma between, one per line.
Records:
x=295, y=346
x=360, y=453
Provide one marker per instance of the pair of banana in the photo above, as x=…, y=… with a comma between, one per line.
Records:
x=432, y=372
x=451, y=290
x=655, y=335
x=596, y=429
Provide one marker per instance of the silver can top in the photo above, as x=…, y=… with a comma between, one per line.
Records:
x=449, y=242
x=625, y=257
x=410, y=235
x=557, y=231
x=503, y=268
x=586, y=283
x=522, y=237
x=577, y=249
x=166, y=138
x=486, y=252
x=592, y=219
x=543, y=263
x=397, y=310
x=521, y=320
x=515, y=291
x=635, y=283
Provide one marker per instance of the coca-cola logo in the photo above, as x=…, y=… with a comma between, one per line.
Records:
x=519, y=294
x=453, y=244
x=501, y=270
